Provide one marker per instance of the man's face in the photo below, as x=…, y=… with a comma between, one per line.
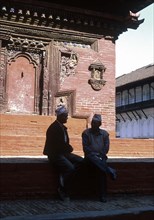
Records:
x=63, y=118
x=95, y=124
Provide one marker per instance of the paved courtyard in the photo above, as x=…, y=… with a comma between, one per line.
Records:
x=46, y=209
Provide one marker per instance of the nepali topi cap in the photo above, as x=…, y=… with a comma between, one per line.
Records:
x=61, y=110
x=97, y=117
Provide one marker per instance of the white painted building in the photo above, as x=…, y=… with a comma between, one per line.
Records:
x=135, y=104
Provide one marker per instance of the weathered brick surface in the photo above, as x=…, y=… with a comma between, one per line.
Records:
x=86, y=100
x=132, y=148
x=27, y=179
x=25, y=135
x=35, y=178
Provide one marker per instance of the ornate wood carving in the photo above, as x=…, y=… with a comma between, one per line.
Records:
x=96, y=81
x=54, y=18
x=68, y=64
x=45, y=92
x=26, y=45
x=33, y=51
x=3, y=95
x=66, y=98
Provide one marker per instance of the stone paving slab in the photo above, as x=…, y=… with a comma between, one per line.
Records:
x=114, y=214
x=44, y=209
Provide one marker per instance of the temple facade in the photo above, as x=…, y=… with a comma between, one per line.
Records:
x=55, y=53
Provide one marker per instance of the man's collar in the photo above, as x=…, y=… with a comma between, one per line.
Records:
x=62, y=125
x=95, y=132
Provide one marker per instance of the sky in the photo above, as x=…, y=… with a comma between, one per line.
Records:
x=134, y=48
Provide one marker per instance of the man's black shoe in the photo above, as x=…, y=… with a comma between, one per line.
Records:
x=114, y=175
x=63, y=196
x=61, y=180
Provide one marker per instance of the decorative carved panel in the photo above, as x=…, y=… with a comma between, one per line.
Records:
x=62, y=100
x=96, y=81
x=24, y=77
x=66, y=98
x=21, y=86
x=2, y=79
x=68, y=64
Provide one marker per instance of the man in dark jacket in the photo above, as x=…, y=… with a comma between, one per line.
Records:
x=59, y=151
x=96, y=143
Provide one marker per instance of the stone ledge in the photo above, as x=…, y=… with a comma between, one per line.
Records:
x=33, y=177
x=43, y=159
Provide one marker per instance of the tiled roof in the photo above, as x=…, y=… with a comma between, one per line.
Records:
x=136, y=75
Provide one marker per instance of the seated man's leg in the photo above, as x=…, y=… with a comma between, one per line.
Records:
x=101, y=163
x=64, y=166
x=113, y=173
x=65, y=169
x=103, y=186
x=77, y=162
x=75, y=159
x=101, y=178
x=98, y=162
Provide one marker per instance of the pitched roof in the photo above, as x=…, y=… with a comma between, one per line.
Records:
x=136, y=75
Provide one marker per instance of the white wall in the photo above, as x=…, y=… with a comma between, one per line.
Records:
x=136, y=128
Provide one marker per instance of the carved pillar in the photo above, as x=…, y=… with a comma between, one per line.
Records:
x=45, y=89
x=4, y=39
x=3, y=95
x=54, y=69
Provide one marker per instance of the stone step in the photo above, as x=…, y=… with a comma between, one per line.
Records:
x=25, y=135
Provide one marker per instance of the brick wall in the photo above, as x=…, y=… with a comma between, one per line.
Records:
x=33, y=177
x=89, y=101
x=86, y=100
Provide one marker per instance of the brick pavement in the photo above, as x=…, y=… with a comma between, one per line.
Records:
x=46, y=209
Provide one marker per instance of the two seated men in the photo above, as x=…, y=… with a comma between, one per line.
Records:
x=95, y=143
